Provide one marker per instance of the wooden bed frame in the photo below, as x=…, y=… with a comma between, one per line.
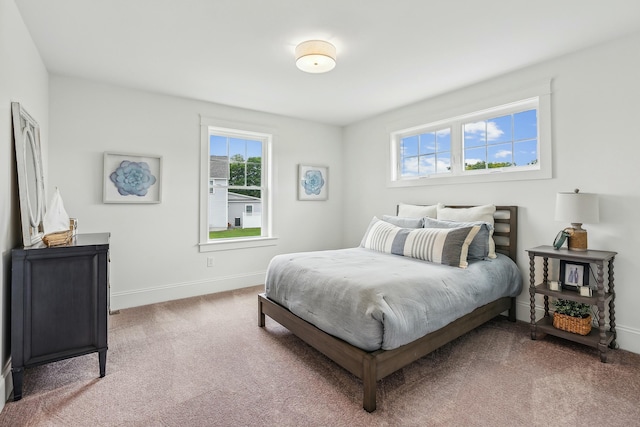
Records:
x=373, y=366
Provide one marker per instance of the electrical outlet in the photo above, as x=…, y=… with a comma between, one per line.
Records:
x=210, y=261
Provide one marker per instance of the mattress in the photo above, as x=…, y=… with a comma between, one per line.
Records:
x=375, y=300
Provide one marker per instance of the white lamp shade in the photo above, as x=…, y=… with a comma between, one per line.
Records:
x=577, y=208
x=315, y=56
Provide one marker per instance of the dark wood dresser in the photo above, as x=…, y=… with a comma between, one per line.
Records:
x=59, y=303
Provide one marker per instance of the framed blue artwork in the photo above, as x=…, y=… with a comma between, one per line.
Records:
x=313, y=182
x=132, y=178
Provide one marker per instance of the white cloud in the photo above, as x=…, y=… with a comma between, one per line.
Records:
x=443, y=166
x=475, y=127
x=472, y=161
x=427, y=165
x=424, y=166
x=502, y=154
x=492, y=130
x=410, y=166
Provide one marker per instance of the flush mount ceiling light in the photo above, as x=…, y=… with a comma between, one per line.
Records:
x=315, y=56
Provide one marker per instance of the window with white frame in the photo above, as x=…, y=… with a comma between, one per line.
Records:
x=508, y=141
x=235, y=193
x=426, y=153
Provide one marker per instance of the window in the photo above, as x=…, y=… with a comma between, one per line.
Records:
x=426, y=153
x=509, y=141
x=235, y=202
x=236, y=171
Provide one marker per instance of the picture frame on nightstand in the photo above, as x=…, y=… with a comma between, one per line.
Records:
x=574, y=275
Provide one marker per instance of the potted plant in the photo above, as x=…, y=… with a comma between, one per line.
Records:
x=572, y=316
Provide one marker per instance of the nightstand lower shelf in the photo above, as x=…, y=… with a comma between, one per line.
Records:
x=545, y=325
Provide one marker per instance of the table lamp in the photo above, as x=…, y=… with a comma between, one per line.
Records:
x=577, y=208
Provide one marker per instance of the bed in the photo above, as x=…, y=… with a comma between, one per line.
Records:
x=379, y=342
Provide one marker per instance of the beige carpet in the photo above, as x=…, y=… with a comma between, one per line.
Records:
x=204, y=362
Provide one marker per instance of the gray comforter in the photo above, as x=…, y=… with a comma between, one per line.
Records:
x=375, y=300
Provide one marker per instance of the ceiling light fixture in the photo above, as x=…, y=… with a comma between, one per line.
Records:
x=315, y=56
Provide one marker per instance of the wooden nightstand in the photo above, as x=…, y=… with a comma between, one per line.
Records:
x=599, y=338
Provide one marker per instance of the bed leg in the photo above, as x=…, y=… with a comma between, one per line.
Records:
x=369, y=373
x=261, y=319
x=512, y=310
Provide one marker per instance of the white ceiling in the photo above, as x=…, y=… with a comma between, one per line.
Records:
x=241, y=52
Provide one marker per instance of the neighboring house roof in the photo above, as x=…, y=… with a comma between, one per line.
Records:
x=235, y=197
x=219, y=167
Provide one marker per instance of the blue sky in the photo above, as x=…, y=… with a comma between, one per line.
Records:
x=244, y=147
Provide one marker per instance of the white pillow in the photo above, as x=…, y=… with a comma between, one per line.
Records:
x=477, y=213
x=417, y=211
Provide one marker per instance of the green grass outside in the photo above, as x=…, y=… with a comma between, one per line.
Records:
x=235, y=232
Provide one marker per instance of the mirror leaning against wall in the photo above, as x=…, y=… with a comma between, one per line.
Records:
x=26, y=136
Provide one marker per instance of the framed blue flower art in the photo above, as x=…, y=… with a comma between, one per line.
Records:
x=132, y=178
x=313, y=182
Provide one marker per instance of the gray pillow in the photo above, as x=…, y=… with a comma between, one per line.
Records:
x=404, y=222
x=479, y=247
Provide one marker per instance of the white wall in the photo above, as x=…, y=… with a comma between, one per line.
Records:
x=154, y=252
x=595, y=111
x=24, y=79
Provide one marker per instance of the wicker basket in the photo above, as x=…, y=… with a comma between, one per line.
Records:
x=58, y=239
x=576, y=325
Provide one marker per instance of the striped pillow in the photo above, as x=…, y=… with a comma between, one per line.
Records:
x=479, y=247
x=448, y=246
x=477, y=213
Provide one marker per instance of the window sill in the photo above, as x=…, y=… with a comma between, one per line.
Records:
x=232, y=244
x=496, y=175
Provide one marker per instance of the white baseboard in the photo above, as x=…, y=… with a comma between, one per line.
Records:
x=6, y=385
x=627, y=338
x=127, y=299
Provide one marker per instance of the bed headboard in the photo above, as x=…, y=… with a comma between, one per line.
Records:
x=506, y=229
